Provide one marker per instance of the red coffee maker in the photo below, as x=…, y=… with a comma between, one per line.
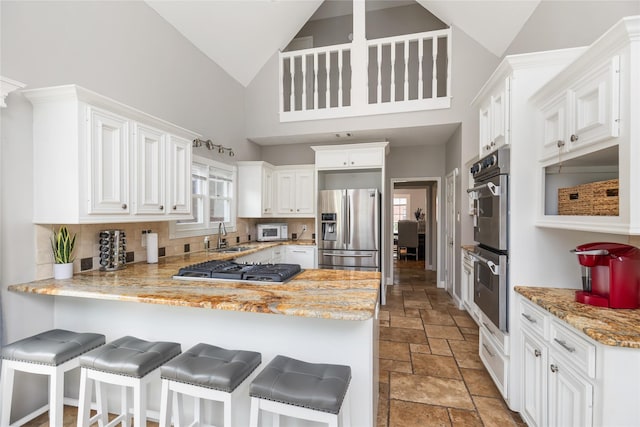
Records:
x=610, y=275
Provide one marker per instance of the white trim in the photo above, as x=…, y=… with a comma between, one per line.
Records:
x=436, y=208
x=6, y=87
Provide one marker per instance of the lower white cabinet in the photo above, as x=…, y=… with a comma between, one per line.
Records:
x=568, y=379
x=492, y=349
x=303, y=255
x=264, y=256
x=466, y=288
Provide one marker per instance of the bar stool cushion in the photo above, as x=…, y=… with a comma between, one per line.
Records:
x=320, y=387
x=130, y=356
x=212, y=367
x=52, y=347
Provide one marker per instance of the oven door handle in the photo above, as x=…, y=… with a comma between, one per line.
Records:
x=495, y=268
x=494, y=189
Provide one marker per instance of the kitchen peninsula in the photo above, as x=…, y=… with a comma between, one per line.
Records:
x=328, y=316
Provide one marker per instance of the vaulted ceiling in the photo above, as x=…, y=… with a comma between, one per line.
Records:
x=240, y=36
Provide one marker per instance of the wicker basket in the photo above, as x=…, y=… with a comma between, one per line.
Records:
x=595, y=198
x=605, y=198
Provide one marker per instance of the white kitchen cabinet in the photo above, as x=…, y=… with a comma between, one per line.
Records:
x=163, y=165
x=556, y=362
x=494, y=119
x=295, y=191
x=255, y=189
x=278, y=254
x=178, y=163
x=587, y=127
x=109, y=153
x=570, y=396
x=264, y=256
x=301, y=254
x=568, y=379
x=150, y=177
x=110, y=171
x=467, y=286
x=351, y=156
x=584, y=114
x=534, y=375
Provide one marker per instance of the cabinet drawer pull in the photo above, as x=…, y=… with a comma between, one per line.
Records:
x=124, y=206
x=529, y=318
x=560, y=143
x=574, y=138
x=553, y=368
x=565, y=345
x=175, y=207
x=487, y=350
x=161, y=207
x=537, y=353
x=487, y=326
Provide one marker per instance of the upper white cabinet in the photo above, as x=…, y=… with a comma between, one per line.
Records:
x=586, y=113
x=109, y=151
x=351, y=156
x=255, y=189
x=100, y=161
x=494, y=117
x=587, y=131
x=295, y=191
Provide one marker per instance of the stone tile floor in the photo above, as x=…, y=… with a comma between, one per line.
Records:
x=430, y=371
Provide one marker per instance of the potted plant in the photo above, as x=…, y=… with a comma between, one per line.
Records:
x=62, y=244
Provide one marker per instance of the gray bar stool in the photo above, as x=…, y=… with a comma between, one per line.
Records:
x=128, y=362
x=310, y=391
x=49, y=353
x=205, y=372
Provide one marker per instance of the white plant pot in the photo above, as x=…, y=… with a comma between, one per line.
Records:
x=63, y=271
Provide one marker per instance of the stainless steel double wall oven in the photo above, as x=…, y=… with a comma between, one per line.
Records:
x=491, y=233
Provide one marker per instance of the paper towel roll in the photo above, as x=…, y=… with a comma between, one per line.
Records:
x=152, y=248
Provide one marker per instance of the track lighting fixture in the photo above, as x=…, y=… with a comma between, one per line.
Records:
x=211, y=146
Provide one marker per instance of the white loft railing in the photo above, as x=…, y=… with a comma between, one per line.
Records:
x=398, y=74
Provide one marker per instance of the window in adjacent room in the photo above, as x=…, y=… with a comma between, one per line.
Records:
x=400, y=209
x=213, y=187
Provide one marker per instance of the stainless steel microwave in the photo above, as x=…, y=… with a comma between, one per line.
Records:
x=273, y=231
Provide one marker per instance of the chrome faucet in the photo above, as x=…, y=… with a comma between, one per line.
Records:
x=222, y=231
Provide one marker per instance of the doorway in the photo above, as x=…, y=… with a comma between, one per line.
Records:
x=415, y=199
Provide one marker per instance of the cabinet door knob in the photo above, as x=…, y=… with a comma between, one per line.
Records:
x=124, y=206
x=574, y=138
x=553, y=368
x=537, y=353
x=161, y=207
x=493, y=143
x=560, y=143
x=175, y=207
x=344, y=163
x=352, y=162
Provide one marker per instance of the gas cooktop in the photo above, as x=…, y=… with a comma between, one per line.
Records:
x=229, y=270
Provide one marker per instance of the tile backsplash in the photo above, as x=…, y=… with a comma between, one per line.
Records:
x=87, y=241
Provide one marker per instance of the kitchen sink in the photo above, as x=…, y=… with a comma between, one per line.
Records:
x=233, y=249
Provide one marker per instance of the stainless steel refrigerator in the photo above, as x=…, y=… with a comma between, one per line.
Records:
x=349, y=229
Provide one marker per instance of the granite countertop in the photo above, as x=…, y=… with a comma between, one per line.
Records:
x=332, y=294
x=614, y=327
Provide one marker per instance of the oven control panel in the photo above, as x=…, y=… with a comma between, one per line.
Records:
x=494, y=164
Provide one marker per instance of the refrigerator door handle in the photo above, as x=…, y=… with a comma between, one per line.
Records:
x=345, y=216
x=348, y=219
x=348, y=256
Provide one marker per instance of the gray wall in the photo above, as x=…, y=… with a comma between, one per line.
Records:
x=123, y=50
x=563, y=24
x=452, y=161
